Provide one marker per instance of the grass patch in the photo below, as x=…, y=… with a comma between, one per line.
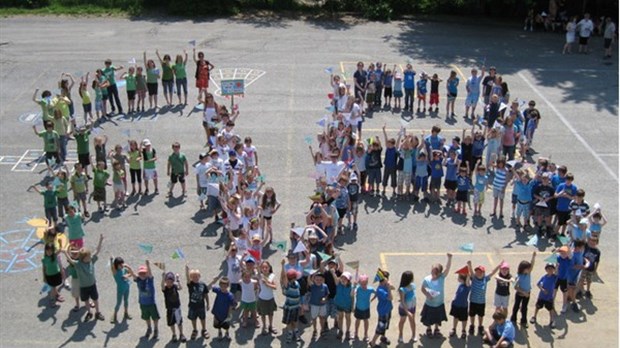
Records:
x=58, y=10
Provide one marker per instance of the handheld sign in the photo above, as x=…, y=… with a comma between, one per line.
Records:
x=232, y=87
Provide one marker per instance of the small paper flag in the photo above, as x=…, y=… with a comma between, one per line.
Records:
x=175, y=255
x=181, y=253
x=464, y=270
x=126, y=148
x=56, y=182
x=433, y=293
x=146, y=248
x=160, y=265
x=329, y=70
x=323, y=256
x=533, y=241
x=126, y=132
x=96, y=130
x=78, y=74
x=156, y=71
x=280, y=245
x=404, y=123
x=379, y=276
x=261, y=178
x=298, y=231
x=51, y=161
x=553, y=258
x=322, y=122
x=308, y=139
x=132, y=61
x=330, y=108
x=192, y=43
x=353, y=264
x=255, y=254
x=300, y=247
x=564, y=240
x=121, y=83
x=469, y=247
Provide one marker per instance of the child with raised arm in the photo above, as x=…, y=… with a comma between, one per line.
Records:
x=146, y=297
x=384, y=308
x=546, y=285
x=50, y=203
x=85, y=269
x=478, y=295
x=223, y=306
x=523, y=289
x=121, y=273
x=198, y=302
x=406, y=305
x=170, y=286
x=459, y=305
x=434, y=310
x=52, y=275
x=266, y=305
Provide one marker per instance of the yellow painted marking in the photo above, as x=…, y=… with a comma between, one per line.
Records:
x=383, y=261
x=453, y=66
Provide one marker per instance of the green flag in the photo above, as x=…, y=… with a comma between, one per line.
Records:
x=324, y=257
x=353, y=264
x=146, y=248
x=281, y=245
x=564, y=240
x=553, y=258
x=175, y=255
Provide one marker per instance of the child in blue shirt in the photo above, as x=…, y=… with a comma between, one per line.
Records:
x=146, y=298
x=579, y=263
x=344, y=304
x=460, y=304
x=451, y=87
x=384, y=308
x=502, y=332
x=436, y=174
x=389, y=161
x=319, y=293
x=523, y=288
x=421, y=177
x=523, y=187
x=407, y=305
x=478, y=295
x=462, y=189
x=546, y=284
x=480, y=186
x=422, y=83
x=452, y=164
x=363, y=292
x=223, y=306
x=565, y=262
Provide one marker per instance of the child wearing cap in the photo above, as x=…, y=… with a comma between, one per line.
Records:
x=149, y=157
x=593, y=255
x=579, y=263
x=223, y=306
x=564, y=262
x=547, y=286
x=170, y=286
x=523, y=288
x=363, y=293
x=353, y=188
x=596, y=221
x=477, y=296
x=502, y=332
x=292, y=303
x=502, y=289
x=458, y=309
x=319, y=293
x=146, y=298
x=384, y=308
x=198, y=298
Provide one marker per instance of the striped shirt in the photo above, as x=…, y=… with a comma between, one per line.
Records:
x=499, y=181
x=292, y=294
x=478, y=292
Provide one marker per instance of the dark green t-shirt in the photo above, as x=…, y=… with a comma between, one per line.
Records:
x=177, y=163
x=82, y=140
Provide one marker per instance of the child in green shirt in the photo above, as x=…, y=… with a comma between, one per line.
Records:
x=100, y=180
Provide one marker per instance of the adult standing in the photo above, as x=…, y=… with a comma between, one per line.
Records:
x=203, y=73
x=609, y=36
x=109, y=72
x=409, y=86
x=167, y=76
x=378, y=83
x=487, y=84
x=571, y=28
x=360, y=76
x=585, y=30
x=434, y=310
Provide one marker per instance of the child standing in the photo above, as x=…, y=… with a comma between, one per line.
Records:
x=86, y=101
x=266, y=303
x=81, y=136
x=121, y=273
x=363, y=292
x=170, y=286
x=502, y=290
x=389, y=162
x=462, y=189
x=422, y=83
x=50, y=203
x=319, y=293
x=480, y=187
x=85, y=269
x=292, y=304
x=353, y=188
x=223, y=306
x=118, y=176
x=523, y=288
x=407, y=305
x=198, y=298
x=100, y=181
x=478, y=295
x=131, y=87
x=387, y=87
x=593, y=255
x=546, y=284
x=499, y=187
x=178, y=167
x=452, y=164
x=75, y=284
x=434, y=93
x=140, y=89
x=149, y=157
x=421, y=176
x=384, y=308
x=51, y=273
x=371, y=88
x=398, y=88
x=452, y=90
x=78, y=185
x=344, y=305
x=135, y=169
x=249, y=287
x=460, y=304
x=73, y=219
x=146, y=298
x=436, y=174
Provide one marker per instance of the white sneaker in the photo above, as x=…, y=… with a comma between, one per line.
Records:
x=400, y=340
x=564, y=308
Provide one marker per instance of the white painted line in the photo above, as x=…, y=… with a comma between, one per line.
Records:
x=246, y=76
x=18, y=161
x=234, y=74
x=257, y=77
x=571, y=128
x=608, y=154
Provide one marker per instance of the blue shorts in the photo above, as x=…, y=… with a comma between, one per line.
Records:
x=523, y=209
x=472, y=99
x=374, y=176
x=421, y=182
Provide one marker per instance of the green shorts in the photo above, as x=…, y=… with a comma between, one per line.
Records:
x=149, y=312
x=248, y=306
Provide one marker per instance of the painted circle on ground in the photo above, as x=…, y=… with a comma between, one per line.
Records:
x=31, y=118
x=14, y=254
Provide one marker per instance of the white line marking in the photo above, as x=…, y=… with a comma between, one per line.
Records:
x=246, y=76
x=234, y=74
x=570, y=128
x=608, y=154
x=257, y=77
x=18, y=161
